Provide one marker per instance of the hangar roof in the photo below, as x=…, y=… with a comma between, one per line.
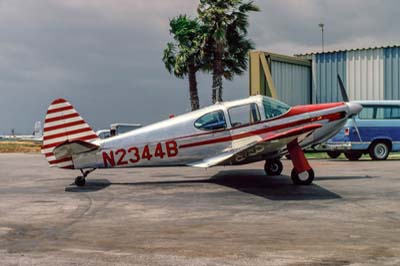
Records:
x=346, y=50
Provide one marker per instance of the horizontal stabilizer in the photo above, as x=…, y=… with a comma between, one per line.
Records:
x=75, y=147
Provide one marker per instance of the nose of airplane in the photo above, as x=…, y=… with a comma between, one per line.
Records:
x=354, y=108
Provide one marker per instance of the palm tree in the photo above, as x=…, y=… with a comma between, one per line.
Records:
x=226, y=46
x=182, y=57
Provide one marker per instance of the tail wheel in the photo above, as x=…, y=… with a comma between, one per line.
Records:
x=379, y=151
x=80, y=181
x=353, y=156
x=273, y=167
x=333, y=154
x=302, y=179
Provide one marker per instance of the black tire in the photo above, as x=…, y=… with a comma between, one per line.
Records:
x=80, y=181
x=273, y=167
x=379, y=151
x=302, y=180
x=352, y=155
x=333, y=154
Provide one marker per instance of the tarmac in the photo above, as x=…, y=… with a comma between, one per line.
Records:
x=188, y=216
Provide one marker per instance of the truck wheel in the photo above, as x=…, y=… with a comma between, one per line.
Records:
x=379, y=151
x=353, y=155
x=333, y=154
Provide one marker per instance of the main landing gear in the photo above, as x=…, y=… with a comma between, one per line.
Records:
x=80, y=181
x=302, y=173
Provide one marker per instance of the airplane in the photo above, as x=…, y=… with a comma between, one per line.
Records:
x=37, y=135
x=258, y=128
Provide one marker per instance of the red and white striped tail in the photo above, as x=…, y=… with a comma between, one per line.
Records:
x=63, y=124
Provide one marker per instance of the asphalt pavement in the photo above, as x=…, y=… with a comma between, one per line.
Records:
x=188, y=216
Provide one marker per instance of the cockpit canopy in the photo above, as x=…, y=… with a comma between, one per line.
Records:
x=274, y=108
x=242, y=115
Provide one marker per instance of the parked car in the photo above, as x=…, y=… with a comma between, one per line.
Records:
x=103, y=133
x=378, y=125
x=119, y=128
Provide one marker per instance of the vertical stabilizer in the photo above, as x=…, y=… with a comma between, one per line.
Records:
x=63, y=124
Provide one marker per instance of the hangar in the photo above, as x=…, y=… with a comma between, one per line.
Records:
x=368, y=74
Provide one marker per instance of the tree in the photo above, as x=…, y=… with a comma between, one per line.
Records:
x=225, y=46
x=182, y=57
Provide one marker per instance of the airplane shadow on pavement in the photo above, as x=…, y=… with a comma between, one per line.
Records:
x=248, y=181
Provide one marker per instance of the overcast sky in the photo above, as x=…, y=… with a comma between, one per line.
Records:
x=105, y=56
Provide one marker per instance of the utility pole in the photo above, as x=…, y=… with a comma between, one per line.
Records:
x=321, y=25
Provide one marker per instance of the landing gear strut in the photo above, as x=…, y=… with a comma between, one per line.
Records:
x=302, y=173
x=80, y=181
x=273, y=167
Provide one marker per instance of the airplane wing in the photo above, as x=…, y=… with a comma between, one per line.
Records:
x=263, y=142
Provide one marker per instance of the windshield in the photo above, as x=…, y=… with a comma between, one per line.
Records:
x=273, y=107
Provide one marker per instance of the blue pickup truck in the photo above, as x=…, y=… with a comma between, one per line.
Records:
x=378, y=126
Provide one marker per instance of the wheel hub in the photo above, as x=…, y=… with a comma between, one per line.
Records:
x=380, y=151
x=303, y=176
x=274, y=167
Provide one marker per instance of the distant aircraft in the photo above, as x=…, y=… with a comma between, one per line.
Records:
x=258, y=128
x=36, y=136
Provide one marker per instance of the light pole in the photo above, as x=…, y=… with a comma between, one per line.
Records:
x=321, y=25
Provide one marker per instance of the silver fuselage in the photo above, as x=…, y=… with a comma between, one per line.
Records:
x=177, y=141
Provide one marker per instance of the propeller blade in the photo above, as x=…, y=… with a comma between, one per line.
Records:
x=343, y=89
x=355, y=125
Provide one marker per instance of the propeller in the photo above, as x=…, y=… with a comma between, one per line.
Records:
x=343, y=90
x=346, y=99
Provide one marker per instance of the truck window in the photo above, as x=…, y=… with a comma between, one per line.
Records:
x=368, y=112
x=380, y=112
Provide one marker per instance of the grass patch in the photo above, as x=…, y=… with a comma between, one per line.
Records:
x=19, y=146
x=324, y=155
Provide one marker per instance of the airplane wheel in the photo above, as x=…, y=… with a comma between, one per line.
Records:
x=302, y=179
x=80, y=181
x=273, y=167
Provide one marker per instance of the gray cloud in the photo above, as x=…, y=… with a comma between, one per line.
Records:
x=105, y=56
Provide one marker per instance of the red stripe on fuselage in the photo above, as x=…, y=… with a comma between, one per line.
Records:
x=302, y=109
x=330, y=117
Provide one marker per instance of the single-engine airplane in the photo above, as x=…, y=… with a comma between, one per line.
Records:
x=258, y=128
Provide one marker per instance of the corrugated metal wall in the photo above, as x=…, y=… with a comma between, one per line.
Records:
x=326, y=67
x=293, y=82
x=392, y=73
x=368, y=74
x=365, y=79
